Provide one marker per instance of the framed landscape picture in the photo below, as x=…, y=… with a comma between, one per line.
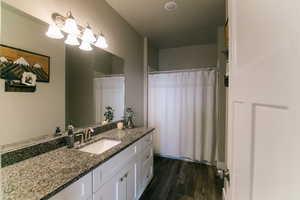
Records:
x=15, y=62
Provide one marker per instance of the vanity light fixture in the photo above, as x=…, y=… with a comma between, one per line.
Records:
x=88, y=35
x=54, y=32
x=101, y=42
x=74, y=32
x=72, y=40
x=85, y=46
x=70, y=26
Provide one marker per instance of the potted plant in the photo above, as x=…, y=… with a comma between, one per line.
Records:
x=109, y=114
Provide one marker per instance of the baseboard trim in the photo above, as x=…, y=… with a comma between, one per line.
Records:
x=185, y=159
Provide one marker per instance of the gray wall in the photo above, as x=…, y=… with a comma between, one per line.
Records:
x=80, y=109
x=117, y=65
x=153, y=54
x=27, y=115
x=102, y=61
x=123, y=41
x=188, y=57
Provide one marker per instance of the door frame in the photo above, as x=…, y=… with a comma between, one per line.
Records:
x=232, y=60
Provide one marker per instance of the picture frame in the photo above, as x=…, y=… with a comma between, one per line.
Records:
x=15, y=61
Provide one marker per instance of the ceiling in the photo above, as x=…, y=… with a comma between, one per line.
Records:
x=193, y=22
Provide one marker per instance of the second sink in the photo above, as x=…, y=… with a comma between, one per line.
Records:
x=100, y=146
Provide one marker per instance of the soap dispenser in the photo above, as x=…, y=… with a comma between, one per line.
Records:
x=70, y=137
x=57, y=132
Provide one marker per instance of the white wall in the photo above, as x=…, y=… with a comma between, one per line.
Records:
x=122, y=39
x=221, y=125
x=188, y=57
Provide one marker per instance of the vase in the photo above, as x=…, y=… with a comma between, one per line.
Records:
x=129, y=123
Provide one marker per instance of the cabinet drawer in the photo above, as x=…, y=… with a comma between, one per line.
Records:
x=147, y=154
x=147, y=172
x=147, y=141
x=80, y=190
x=112, y=166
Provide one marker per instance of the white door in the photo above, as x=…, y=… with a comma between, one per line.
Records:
x=264, y=100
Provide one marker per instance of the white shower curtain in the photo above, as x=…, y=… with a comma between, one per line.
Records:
x=109, y=91
x=182, y=109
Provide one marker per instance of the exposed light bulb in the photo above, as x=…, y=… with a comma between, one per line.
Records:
x=105, y=45
x=54, y=32
x=101, y=42
x=88, y=35
x=71, y=25
x=85, y=46
x=72, y=40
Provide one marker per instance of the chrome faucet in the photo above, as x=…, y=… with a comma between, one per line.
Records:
x=88, y=133
x=85, y=136
x=82, y=137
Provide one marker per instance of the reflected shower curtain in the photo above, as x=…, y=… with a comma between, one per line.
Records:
x=109, y=91
x=182, y=109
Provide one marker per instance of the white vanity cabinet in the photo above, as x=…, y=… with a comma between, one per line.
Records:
x=145, y=163
x=80, y=190
x=120, y=187
x=125, y=176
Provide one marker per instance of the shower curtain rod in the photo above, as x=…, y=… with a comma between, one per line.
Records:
x=207, y=68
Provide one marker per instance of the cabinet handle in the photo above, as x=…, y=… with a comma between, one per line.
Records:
x=126, y=175
x=121, y=179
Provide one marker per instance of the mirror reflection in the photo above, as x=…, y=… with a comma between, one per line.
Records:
x=95, y=87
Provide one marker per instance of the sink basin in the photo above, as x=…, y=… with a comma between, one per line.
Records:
x=100, y=146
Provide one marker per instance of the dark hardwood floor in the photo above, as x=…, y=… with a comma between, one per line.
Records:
x=181, y=180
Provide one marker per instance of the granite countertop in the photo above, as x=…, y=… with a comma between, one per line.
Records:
x=27, y=143
x=44, y=138
x=45, y=175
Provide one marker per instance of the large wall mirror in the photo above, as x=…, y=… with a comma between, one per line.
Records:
x=95, y=82
x=80, y=84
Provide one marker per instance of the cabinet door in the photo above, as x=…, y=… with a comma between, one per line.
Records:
x=108, y=191
x=131, y=177
x=80, y=190
x=121, y=187
x=146, y=173
x=127, y=182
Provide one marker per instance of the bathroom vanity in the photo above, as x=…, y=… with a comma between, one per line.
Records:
x=120, y=173
x=122, y=177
